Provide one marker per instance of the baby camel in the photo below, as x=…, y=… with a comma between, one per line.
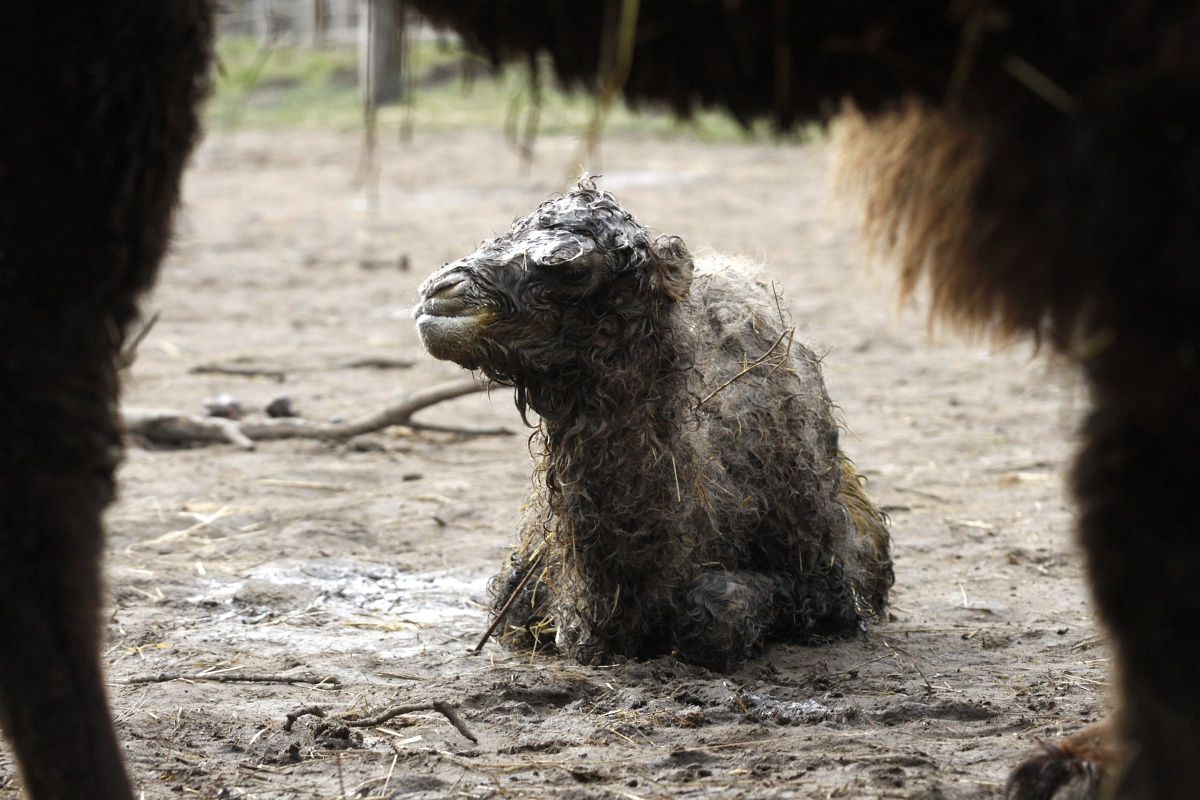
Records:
x=689, y=495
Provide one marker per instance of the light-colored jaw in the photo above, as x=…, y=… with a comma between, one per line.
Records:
x=447, y=320
x=450, y=338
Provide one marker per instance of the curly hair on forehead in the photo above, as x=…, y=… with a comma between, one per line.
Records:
x=586, y=211
x=688, y=495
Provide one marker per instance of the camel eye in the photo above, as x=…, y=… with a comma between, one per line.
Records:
x=572, y=274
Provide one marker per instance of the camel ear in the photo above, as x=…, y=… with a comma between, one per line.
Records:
x=668, y=272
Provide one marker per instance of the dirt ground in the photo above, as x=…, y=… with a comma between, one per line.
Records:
x=361, y=567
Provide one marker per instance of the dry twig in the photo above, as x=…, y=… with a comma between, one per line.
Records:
x=503, y=612
x=292, y=716
x=788, y=334
x=129, y=352
x=441, y=707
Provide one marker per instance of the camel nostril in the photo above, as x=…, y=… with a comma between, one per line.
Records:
x=454, y=286
x=446, y=288
x=446, y=295
x=452, y=280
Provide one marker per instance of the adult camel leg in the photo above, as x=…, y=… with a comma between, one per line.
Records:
x=98, y=103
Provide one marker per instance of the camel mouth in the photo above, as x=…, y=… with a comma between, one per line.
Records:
x=445, y=307
x=449, y=333
x=435, y=321
x=449, y=320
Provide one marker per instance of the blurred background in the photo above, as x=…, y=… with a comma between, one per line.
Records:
x=315, y=62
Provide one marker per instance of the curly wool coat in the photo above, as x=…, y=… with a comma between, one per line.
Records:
x=689, y=495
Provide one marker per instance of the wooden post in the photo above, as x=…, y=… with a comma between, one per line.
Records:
x=309, y=21
x=379, y=51
x=343, y=19
x=263, y=19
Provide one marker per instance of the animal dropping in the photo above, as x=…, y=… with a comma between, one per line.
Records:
x=689, y=496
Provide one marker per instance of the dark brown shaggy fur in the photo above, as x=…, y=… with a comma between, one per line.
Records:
x=683, y=501
x=1038, y=162
x=98, y=109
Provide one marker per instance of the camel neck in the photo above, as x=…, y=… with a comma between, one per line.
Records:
x=616, y=445
x=643, y=388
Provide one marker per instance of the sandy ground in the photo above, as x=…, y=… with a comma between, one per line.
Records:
x=361, y=567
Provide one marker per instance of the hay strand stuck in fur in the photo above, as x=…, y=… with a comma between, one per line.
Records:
x=499, y=616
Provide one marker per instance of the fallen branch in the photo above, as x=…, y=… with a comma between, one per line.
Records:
x=227, y=677
x=277, y=375
x=379, y=363
x=173, y=426
x=464, y=430
x=163, y=425
x=280, y=374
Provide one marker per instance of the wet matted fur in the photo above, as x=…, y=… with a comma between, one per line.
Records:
x=690, y=496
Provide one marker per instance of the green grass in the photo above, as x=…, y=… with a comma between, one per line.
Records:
x=275, y=87
x=256, y=86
